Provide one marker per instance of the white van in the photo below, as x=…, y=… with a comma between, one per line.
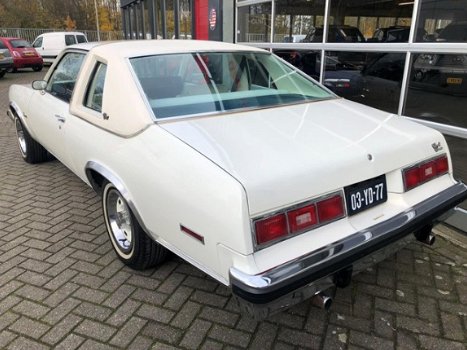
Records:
x=49, y=45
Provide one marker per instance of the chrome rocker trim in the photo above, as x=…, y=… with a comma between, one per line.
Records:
x=316, y=270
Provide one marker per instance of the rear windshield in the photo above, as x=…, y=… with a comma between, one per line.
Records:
x=19, y=43
x=209, y=83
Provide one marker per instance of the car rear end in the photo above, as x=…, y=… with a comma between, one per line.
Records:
x=325, y=200
x=24, y=55
x=330, y=186
x=6, y=61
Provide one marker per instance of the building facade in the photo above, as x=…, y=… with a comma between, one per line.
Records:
x=405, y=57
x=178, y=19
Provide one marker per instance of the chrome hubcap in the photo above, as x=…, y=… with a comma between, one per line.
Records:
x=20, y=136
x=119, y=218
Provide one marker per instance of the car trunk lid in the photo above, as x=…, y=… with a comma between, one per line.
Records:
x=290, y=154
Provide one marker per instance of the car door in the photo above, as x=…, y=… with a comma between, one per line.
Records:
x=50, y=107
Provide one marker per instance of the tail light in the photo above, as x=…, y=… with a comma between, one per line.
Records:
x=16, y=54
x=299, y=219
x=271, y=228
x=425, y=171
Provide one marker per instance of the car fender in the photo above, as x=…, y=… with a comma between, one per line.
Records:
x=93, y=167
x=19, y=96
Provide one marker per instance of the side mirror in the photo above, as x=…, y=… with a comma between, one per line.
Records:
x=39, y=84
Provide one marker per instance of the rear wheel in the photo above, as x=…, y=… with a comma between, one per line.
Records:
x=37, y=68
x=132, y=245
x=31, y=150
x=2, y=73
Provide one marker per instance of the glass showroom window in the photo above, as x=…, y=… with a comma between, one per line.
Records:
x=295, y=19
x=376, y=83
x=254, y=23
x=442, y=21
x=372, y=21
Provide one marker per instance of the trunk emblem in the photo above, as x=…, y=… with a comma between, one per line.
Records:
x=370, y=157
x=437, y=146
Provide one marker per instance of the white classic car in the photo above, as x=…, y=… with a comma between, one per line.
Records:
x=237, y=162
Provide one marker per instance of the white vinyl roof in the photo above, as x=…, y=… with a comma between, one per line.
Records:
x=134, y=48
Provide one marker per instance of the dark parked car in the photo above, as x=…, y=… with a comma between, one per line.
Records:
x=6, y=62
x=336, y=34
x=341, y=34
x=443, y=73
x=24, y=55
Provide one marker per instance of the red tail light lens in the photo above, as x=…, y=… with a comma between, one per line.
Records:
x=299, y=218
x=330, y=209
x=411, y=178
x=16, y=54
x=271, y=228
x=303, y=218
x=425, y=171
x=442, y=165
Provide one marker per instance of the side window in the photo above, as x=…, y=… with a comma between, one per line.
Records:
x=38, y=42
x=81, y=39
x=95, y=91
x=70, y=40
x=2, y=45
x=62, y=81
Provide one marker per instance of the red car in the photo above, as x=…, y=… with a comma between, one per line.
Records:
x=24, y=55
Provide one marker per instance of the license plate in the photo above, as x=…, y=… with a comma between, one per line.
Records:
x=1, y=56
x=29, y=54
x=365, y=195
x=455, y=81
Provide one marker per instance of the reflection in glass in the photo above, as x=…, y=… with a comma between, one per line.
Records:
x=185, y=19
x=254, y=23
x=442, y=21
x=375, y=20
x=438, y=88
x=308, y=61
x=376, y=83
x=336, y=34
x=295, y=19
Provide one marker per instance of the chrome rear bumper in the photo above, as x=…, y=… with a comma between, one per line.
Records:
x=299, y=279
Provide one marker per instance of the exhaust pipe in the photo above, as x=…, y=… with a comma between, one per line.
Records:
x=425, y=235
x=321, y=300
x=430, y=239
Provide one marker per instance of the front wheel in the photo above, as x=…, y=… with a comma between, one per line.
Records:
x=31, y=150
x=132, y=245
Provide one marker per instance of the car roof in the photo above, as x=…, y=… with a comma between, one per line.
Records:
x=52, y=33
x=135, y=48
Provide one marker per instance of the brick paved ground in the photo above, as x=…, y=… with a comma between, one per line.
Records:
x=61, y=285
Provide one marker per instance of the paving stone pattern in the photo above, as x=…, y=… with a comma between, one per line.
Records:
x=62, y=286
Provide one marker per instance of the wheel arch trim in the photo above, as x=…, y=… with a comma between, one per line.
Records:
x=117, y=182
x=15, y=111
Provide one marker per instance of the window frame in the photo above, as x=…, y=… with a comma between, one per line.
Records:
x=92, y=85
x=64, y=97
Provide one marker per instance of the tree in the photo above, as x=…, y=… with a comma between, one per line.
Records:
x=59, y=14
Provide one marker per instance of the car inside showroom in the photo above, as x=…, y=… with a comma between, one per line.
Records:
x=404, y=57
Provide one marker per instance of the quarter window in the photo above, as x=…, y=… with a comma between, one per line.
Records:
x=96, y=88
x=62, y=82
